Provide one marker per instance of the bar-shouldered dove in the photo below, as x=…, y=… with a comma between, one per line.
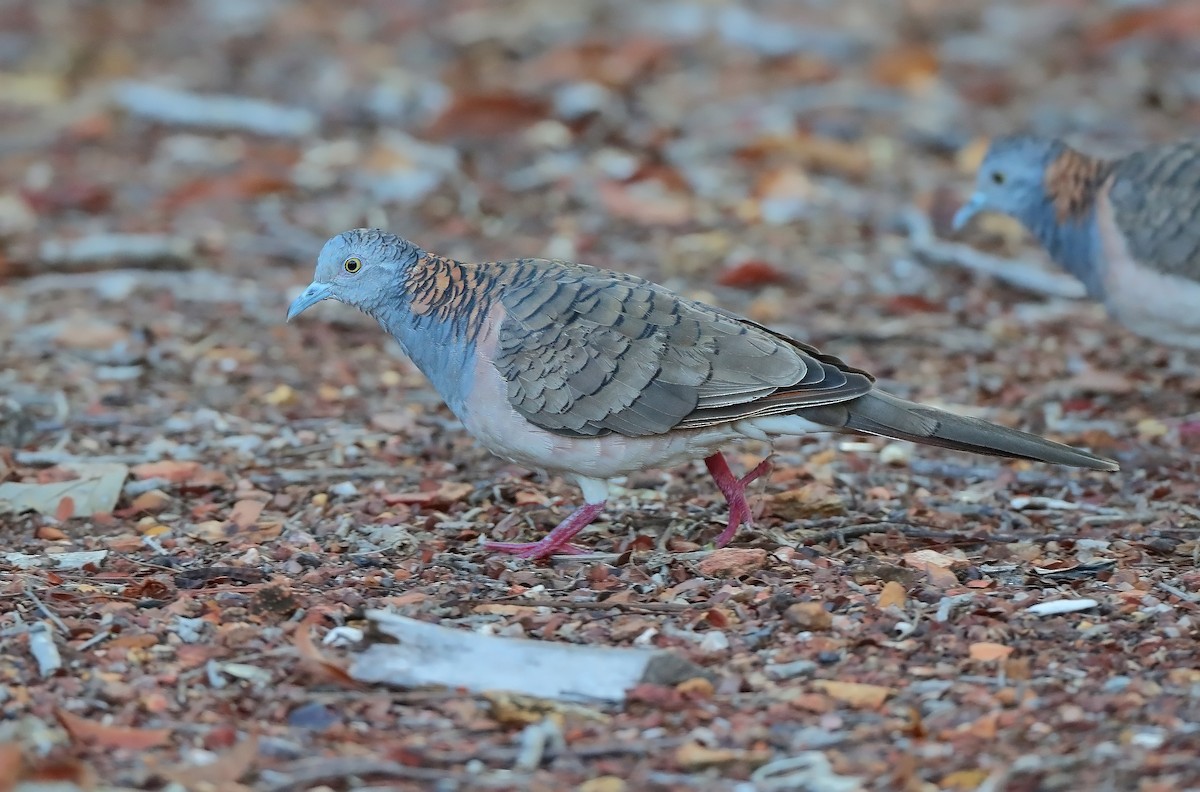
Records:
x=597, y=374
x=1128, y=228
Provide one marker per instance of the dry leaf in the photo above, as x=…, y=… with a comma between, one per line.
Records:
x=169, y=469
x=245, y=513
x=485, y=117
x=224, y=771
x=893, y=593
x=964, y=780
x=732, y=562
x=314, y=661
x=692, y=756
x=608, y=783
x=647, y=202
x=107, y=736
x=95, y=491
x=808, y=502
x=987, y=652
x=809, y=616
x=753, y=274
x=856, y=694
x=10, y=765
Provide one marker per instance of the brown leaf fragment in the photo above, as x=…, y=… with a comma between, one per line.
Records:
x=487, y=116
x=856, y=694
x=811, y=501
x=692, y=756
x=936, y=566
x=964, y=780
x=245, y=512
x=314, y=660
x=986, y=651
x=169, y=469
x=732, y=562
x=753, y=274
x=108, y=736
x=809, y=616
x=225, y=770
x=11, y=764
x=892, y=594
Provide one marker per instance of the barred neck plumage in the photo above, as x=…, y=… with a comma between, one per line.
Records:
x=438, y=314
x=1064, y=221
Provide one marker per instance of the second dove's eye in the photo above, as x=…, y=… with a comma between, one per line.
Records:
x=352, y=265
x=997, y=177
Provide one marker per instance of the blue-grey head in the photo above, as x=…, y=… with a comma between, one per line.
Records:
x=1011, y=179
x=363, y=268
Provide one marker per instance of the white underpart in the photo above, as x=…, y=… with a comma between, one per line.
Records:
x=1161, y=307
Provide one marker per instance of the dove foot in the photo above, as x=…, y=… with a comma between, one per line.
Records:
x=557, y=541
x=735, y=492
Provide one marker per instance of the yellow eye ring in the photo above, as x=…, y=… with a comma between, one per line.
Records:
x=352, y=264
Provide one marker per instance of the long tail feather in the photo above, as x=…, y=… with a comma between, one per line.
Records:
x=880, y=413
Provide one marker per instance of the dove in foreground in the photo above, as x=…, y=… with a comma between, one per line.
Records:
x=1127, y=228
x=596, y=374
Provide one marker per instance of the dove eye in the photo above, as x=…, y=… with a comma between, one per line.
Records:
x=997, y=177
x=352, y=264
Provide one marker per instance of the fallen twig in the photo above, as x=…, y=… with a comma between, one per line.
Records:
x=929, y=249
x=1186, y=596
x=649, y=607
x=214, y=111
x=309, y=772
x=112, y=251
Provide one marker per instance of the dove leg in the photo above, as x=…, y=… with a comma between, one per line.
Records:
x=595, y=493
x=735, y=492
x=558, y=540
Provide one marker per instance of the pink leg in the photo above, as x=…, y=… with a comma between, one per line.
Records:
x=558, y=540
x=735, y=492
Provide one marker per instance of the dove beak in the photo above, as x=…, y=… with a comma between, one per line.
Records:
x=310, y=297
x=971, y=208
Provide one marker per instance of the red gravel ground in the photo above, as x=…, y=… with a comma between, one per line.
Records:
x=266, y=483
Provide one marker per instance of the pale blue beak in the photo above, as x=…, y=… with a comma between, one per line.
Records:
x=311, y=296
x=971, y=208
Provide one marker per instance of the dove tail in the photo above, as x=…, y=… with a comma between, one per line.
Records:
x=881, y=413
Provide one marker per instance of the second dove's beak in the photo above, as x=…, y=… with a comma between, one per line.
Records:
x=310, y=297
x=971, y=208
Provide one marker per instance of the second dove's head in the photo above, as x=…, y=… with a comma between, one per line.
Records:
x=361, y=268
x=1011, y=179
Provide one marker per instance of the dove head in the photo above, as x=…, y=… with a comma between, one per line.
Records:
x=362, y=268
x=1012, y=180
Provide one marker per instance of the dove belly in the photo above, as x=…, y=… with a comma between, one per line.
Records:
x=1155, y=305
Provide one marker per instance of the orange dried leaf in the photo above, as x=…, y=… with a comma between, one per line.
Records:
x=964, y=780
x=909, y=66
x=169, y=469
x=893, y=593
x=986, y=651
x=245, y=513
x=10, y=765
x=856, y=694
x=65, y=509
x=486, y=116
x=108, y=736
x=48, y=533
x=753, y=274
